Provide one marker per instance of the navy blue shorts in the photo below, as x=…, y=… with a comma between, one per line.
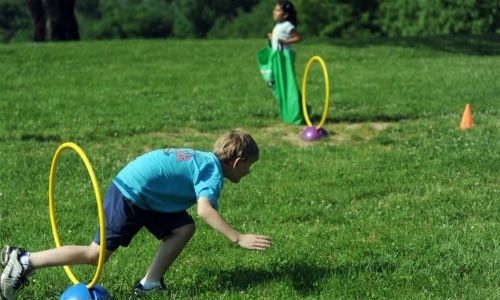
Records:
x=124, y=220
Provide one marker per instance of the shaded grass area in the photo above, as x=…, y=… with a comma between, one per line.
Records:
x=477, y=45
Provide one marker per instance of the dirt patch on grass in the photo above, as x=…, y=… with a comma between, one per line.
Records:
x=277, y=135
x=337, y=134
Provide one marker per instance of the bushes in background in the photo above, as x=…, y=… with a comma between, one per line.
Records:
x=121, y=19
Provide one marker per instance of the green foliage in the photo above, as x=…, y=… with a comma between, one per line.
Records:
x=88, y=8
x=253, y=18
x=14, y=20
x=142, y=20
x=345, y=18
x=255, y=23
x=195, y=18
x=421, y=18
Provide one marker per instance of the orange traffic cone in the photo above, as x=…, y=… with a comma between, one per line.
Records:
x=466, y=118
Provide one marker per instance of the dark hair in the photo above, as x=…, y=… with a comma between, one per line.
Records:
x=288, y=8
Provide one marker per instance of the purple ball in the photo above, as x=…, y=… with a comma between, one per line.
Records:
x=311, y=133
x=323, y=132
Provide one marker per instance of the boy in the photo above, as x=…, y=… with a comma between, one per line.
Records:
x=153, y=191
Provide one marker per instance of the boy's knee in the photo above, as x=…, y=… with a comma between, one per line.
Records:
x=94, y=257
x=93, y=254
x=190, y=229
x=186, y=232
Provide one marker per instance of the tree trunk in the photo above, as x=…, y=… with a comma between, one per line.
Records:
x=54, y=20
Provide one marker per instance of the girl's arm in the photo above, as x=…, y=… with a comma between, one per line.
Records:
x=214, y=219
x=295, y=38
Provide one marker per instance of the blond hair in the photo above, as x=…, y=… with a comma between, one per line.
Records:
x=236, y=144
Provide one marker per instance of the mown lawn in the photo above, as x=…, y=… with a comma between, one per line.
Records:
x=397, y=203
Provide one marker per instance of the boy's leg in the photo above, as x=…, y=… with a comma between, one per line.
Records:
x=172, y=245
x=17, y=268
x=18, y=264
x=174, y=230
x=67, y=256
x=15, y=273
x=170, y=248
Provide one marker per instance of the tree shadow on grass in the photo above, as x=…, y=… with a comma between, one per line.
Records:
x=306, y=280
x=315, y=119
x=482, y=45
x=40, y=138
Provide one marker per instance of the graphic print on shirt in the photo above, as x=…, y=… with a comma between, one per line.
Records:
x=180, y=154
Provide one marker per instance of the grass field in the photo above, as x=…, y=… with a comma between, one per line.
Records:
x=398, y=202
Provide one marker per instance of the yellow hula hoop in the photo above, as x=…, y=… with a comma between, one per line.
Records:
x=327, y=91
x=102, y=247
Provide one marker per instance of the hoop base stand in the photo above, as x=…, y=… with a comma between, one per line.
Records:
x=80, y=291
x=312, y=133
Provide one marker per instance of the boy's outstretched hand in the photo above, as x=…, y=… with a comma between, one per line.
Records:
x=255, y=242
x=247, y=241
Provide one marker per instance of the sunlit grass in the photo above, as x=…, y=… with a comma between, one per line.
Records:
x=398, y=203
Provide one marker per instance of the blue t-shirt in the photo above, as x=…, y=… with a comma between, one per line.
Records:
x=171, y=180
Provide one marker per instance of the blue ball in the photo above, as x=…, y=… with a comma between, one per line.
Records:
x=76, y=292
x=98, y=292
x=81, y=292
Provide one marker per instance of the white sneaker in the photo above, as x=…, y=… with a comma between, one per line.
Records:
x=14, y=275
x=139, y=291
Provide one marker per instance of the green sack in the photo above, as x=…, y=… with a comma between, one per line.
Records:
x=278, y=71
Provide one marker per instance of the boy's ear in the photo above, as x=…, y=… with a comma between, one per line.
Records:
x=234, y=163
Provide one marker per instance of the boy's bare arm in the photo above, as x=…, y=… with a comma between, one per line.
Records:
x=214, y=219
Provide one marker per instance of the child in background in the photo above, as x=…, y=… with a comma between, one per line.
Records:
x=285, y=31
x=153, y=191
x=277, y=63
